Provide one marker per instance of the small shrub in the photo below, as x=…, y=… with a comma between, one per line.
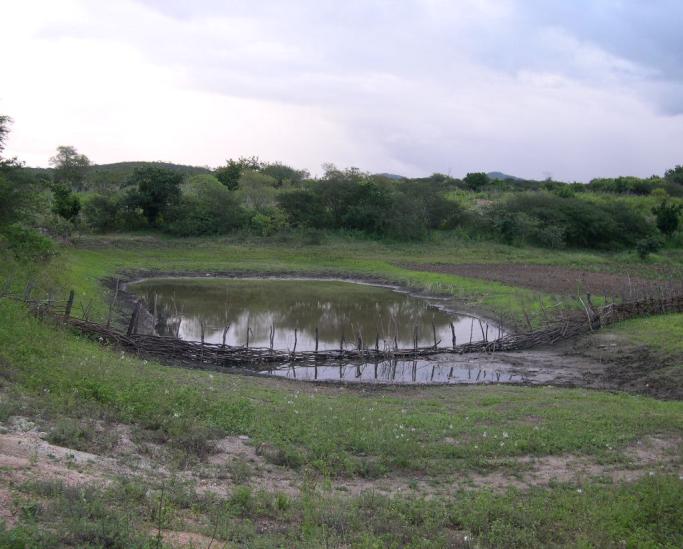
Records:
x=194, y=440
x=83, y=436
x=239, y=470
x=647, y=246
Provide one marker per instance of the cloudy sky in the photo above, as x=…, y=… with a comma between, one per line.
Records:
x=535, y=88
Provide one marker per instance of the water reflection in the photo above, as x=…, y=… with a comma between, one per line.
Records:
x=422, y=372
x=288, y=313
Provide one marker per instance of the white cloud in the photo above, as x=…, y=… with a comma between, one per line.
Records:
x=410, y=87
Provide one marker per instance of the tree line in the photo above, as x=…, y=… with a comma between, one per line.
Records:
x=247, y=194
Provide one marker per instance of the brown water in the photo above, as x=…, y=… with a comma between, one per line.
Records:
x=252, y=308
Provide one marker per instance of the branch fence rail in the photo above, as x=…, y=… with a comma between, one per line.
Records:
x=566, y=326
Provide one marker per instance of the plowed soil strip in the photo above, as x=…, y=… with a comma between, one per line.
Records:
x=554, y=279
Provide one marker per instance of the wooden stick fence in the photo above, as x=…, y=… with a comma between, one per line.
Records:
x=591, y=318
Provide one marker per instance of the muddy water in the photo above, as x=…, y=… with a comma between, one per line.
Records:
x=418, y=372
x=334, y=308
x=530, y=367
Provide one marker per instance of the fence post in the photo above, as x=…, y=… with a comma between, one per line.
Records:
x=132, y=325
x=69, y=305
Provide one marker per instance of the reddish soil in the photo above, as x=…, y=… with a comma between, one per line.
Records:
x=553, y=279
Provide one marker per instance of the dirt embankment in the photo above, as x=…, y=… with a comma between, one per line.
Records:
x=557, y=280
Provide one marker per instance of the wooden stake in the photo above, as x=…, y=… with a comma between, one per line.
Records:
x=111, y=305
x=69, y=305
x=133, y=324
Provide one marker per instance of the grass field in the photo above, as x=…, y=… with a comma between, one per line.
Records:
x=162, y=456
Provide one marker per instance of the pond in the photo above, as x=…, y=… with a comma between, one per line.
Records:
x=292, y=311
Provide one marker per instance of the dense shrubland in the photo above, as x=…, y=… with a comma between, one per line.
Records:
x=267, y=198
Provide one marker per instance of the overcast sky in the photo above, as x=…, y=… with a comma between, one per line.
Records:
x=570, y=89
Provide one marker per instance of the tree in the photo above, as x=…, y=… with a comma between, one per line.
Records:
x=674, y=175
x=476, y=181
x=229, y=175
x=17, y=187
x=206, y=207
x=70, y=167
x=5, y=122
x=66, y=204
x=283, y=173
x=667, y=216
x=158, y=190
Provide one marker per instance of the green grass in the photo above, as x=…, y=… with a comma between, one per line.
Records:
x=663, y=333
x=335, y=431
x=68, y=384
x=84, y=267
x=647, y=513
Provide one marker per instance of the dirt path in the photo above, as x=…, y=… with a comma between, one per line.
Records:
x=554, y=279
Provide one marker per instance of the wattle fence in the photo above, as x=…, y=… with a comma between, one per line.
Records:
x=215, y=354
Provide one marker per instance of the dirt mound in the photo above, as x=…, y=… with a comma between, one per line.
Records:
x=553, y=279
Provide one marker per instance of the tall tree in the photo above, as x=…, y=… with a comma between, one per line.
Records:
x=229, y=175
x=158, y=190
x=668, y=217
x=17, y=187
x=476, y=181
x=5, y=121
x=70, y=167
x=675, y=175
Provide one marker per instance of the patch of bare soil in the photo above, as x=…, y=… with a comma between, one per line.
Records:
x=174, y=538
x=621, y=365
x=24, y=456
x=553, y=279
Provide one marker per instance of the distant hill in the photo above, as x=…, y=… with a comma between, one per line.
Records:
x=103, y=175
x=114, y=176
x=503, y=176
x=393, y=176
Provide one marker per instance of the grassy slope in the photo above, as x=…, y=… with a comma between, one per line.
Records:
x=326, y=430
x=84, y=267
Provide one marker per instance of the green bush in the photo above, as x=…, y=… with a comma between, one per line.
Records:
x=647, y=246
x=546, y=219
x=206, y=208
x=26, y=244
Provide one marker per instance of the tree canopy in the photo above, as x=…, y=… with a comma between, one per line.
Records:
x=156, y=191
x=70, y=167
